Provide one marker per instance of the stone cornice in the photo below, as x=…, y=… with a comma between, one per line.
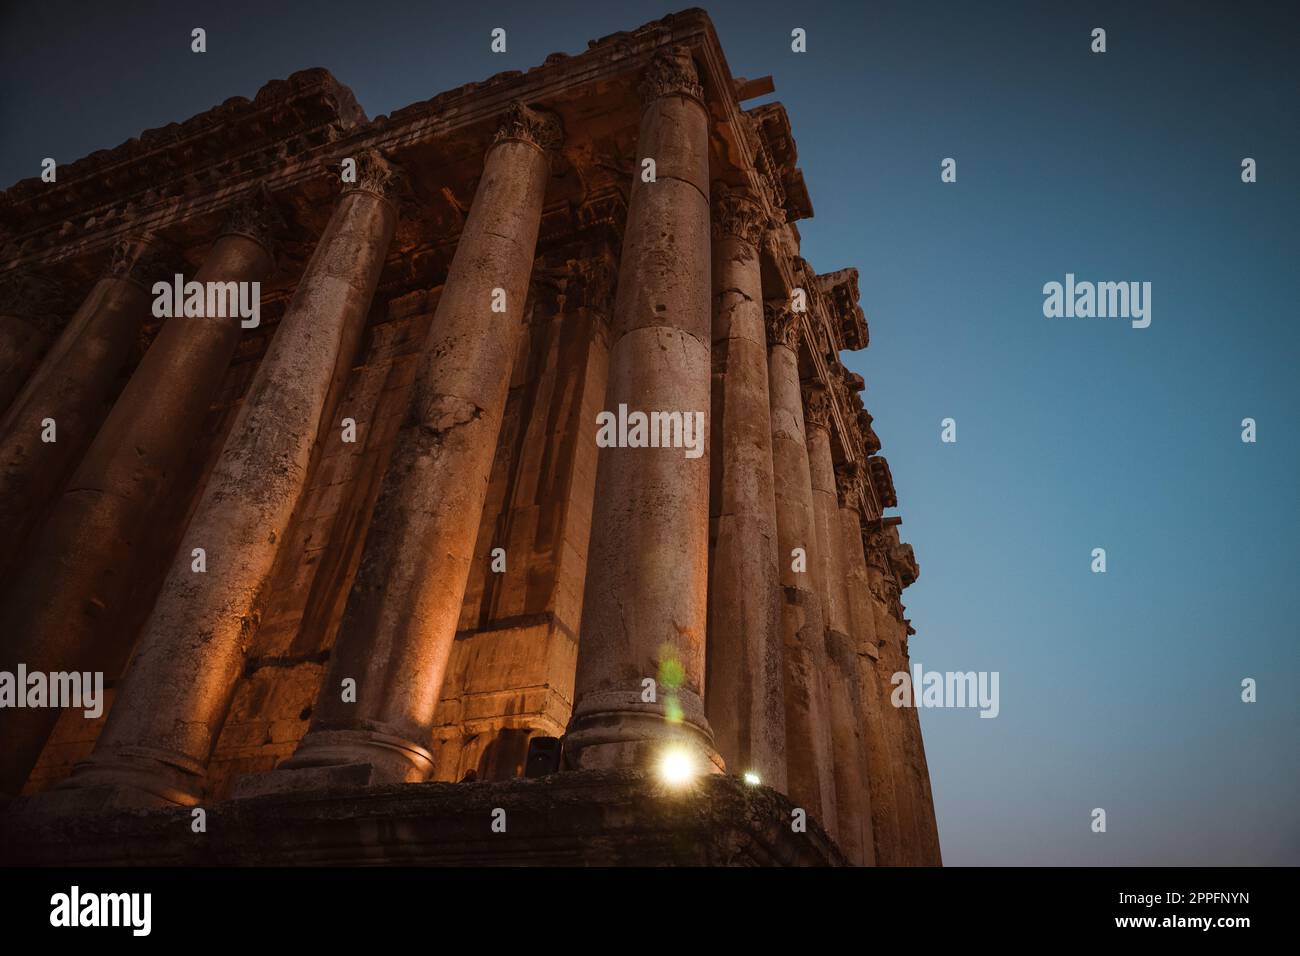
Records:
x=129, y=202
x=775, y=160
x=840, y=289
x=883, y=481
x=237, y=139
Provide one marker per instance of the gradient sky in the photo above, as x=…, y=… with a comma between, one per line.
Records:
x=1120, y=690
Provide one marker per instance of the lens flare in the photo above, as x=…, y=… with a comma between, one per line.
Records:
x=677, y=767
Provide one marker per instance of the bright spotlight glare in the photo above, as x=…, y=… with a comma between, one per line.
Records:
x=751, y=778
x=676, y=767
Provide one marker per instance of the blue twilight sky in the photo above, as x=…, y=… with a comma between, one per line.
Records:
x=1120, y=690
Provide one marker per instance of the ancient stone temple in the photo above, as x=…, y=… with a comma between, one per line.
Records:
x=475, y=484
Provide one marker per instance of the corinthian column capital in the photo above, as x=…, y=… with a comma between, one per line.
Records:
x=736, y=215
x=537, y=128
x=671, y=73
x=377, y=175
x=254, y=216
x=847, y=474
x=143, y=260
x=816, y=404
x=782, y=325
x=36, y=298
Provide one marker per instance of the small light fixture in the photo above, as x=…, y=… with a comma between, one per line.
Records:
x=751, y=778
x=676, y=766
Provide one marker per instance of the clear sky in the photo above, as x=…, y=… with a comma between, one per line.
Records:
x=1118, y=690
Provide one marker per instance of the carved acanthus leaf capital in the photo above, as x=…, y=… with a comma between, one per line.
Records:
x=144, y=260
x=36, y=298
x=671, y=73
x=782, y=325
x=737, y=215
x=847, y=474
x=816, y=404
x=377, y=175
x=539, y=128
x=256, y=217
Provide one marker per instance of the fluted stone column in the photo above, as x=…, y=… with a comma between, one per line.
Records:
x=810, y=764
x=65, y=606
x=169, y=712
x=880, y=769
x=72, y=386
x=645, y=609
x=400, y=622
x=745, y=700
x=852, y=793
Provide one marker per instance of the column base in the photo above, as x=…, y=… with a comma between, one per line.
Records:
x=331, y=758
x=131, y=777
x=616, y=729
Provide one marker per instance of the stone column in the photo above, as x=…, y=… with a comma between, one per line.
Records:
x=880, y=770
x=21, y=345
x=884, y=591
x=400, y=622
x=645, y=608
x=809, y=753
x=745, y=700
x=155, y=747
x=904, y=571
x=852, y=794
x=28, y=303
x=73, y=387
x=64, y=607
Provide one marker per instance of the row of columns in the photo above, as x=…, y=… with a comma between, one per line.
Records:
x=66, y=604
x=777, y=625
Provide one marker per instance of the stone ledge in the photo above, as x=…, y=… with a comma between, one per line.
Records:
x=577, y=818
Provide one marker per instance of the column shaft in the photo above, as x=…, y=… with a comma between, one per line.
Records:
x=87, y=559
x=21, y=345
x=645, y=610
x=72, y=387
x=927, y=830
x=852, y=793
x=167, y=715
x=745, y=699
x=400, y=621
x=880, y=770
x=895, y=718
x=809, y=752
